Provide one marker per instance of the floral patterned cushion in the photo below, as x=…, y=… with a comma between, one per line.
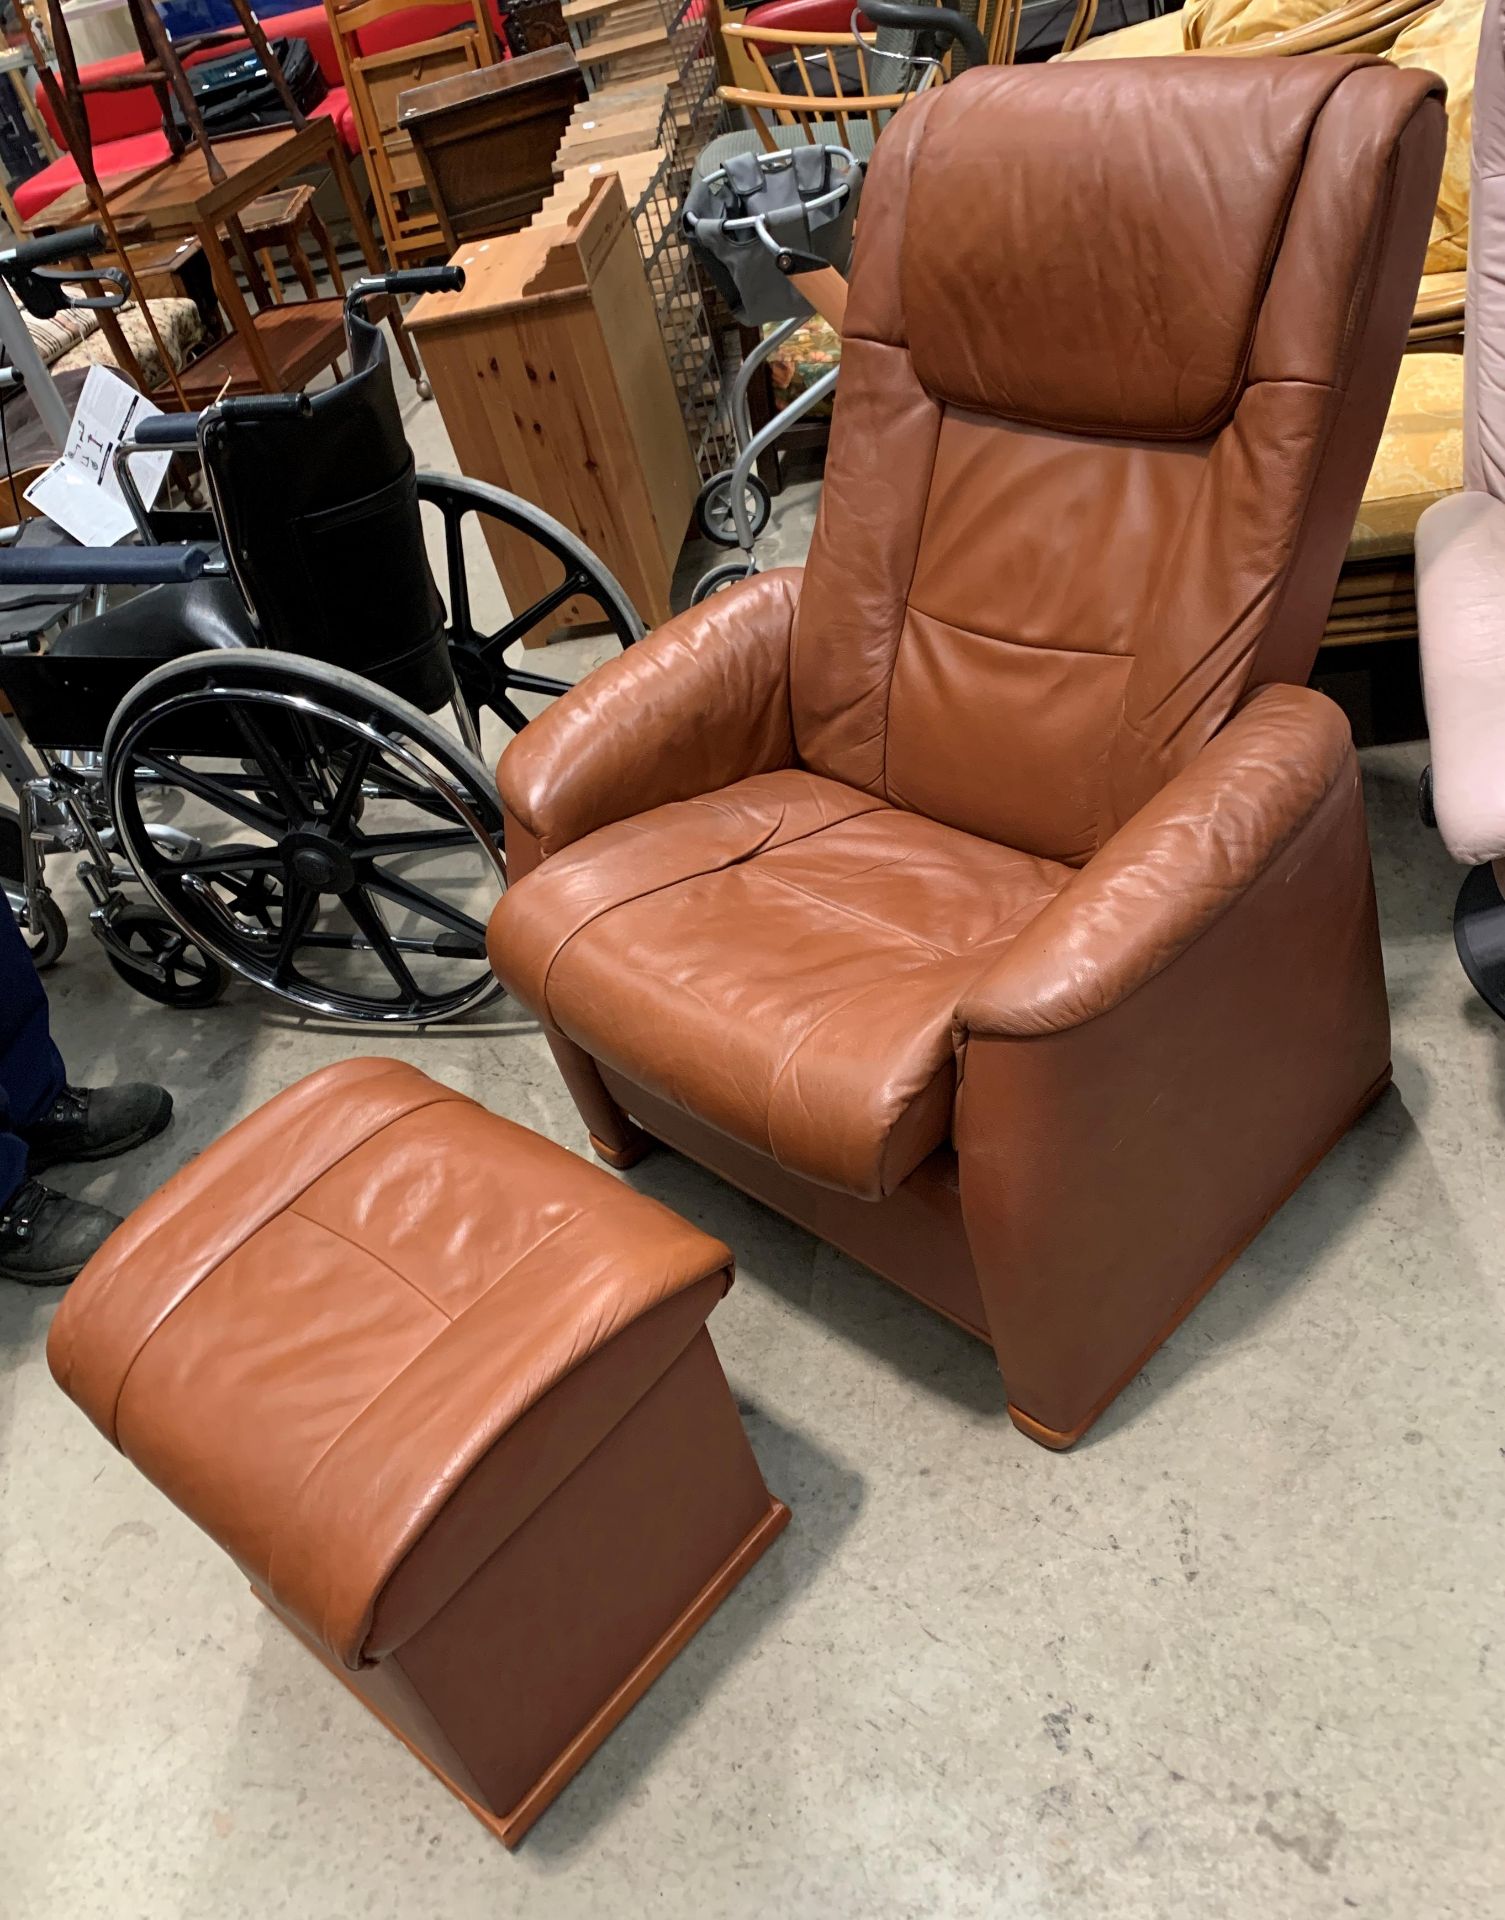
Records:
x=808, y=353
x=178, y=321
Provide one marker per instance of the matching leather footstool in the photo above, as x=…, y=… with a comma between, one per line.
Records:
x=445, y=1392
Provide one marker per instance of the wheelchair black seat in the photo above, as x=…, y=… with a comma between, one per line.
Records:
x=164, y=623
x=66, y=697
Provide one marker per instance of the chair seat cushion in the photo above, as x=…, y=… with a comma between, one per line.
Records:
x=336, y=106
x=112, y=158
x=1420, y=456
x=782, y=959
x=164, y=623
x=325, y=1337
x=1460, y=577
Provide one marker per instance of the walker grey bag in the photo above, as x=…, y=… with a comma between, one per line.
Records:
x=763, y=216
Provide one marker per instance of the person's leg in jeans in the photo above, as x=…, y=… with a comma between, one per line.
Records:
x=45, y=1237
x=31, y=1068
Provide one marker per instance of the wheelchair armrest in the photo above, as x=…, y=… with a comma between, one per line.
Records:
x=101, y=566
x=175, y=430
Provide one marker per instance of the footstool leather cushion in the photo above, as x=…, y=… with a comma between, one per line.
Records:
x=365, y=1338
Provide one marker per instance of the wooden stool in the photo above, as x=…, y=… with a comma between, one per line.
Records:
x=280, y=220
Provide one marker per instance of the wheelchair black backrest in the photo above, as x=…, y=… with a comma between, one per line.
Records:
x=321, y=524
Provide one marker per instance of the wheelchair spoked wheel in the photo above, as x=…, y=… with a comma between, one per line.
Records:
x=349, y=848
x=572, y=573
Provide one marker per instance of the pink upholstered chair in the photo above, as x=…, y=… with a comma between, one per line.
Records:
x=1460, y=567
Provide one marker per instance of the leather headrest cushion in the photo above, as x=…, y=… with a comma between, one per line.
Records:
x=1087, y=245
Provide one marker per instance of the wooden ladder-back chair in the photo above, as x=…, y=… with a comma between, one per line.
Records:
x=848, y=86
x=465, y=41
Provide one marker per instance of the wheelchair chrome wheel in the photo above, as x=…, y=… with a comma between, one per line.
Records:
x=349, y=845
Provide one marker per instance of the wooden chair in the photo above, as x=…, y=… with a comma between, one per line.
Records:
x=848, y=87
x=850, y=82
x=409, y=223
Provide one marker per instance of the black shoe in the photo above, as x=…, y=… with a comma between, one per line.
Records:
x=95, y=1123
x=46, y=1238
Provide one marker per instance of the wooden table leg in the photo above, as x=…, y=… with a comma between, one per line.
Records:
x=302, y=266
x=269, y=270
x=236, y=311
x=326, y=246
x=254, y=278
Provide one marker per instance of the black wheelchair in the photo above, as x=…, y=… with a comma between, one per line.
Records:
x=278, y=737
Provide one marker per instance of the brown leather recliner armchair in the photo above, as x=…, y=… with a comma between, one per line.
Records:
x=992, y=898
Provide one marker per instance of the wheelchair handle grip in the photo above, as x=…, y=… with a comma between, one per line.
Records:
x=52, y=247
x=165, y=430
x=410, y=280
x=264, y=406
x=101, y=566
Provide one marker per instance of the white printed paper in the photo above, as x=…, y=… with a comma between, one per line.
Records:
x=80, y=491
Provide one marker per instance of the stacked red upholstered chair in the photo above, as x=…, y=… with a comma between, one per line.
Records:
x=127, y=127
x=993, y=897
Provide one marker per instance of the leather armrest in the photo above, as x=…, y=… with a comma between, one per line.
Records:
x=1165, y=1052
x=703, y=701
x=1172, y=871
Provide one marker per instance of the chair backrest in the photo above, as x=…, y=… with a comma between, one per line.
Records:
x=1484, y=340
x=1106, y=409
x=385, y=48
x=321, y=523
x=841, y=87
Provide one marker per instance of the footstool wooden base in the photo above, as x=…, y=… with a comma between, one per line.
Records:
x=445, y=1392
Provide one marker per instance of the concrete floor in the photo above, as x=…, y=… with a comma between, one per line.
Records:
x=1238, y=1657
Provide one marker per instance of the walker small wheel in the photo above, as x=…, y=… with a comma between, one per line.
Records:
x=1424, y=802
x=713, y=509
x=425, y=391
x=192, y=977
x=726, y=575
